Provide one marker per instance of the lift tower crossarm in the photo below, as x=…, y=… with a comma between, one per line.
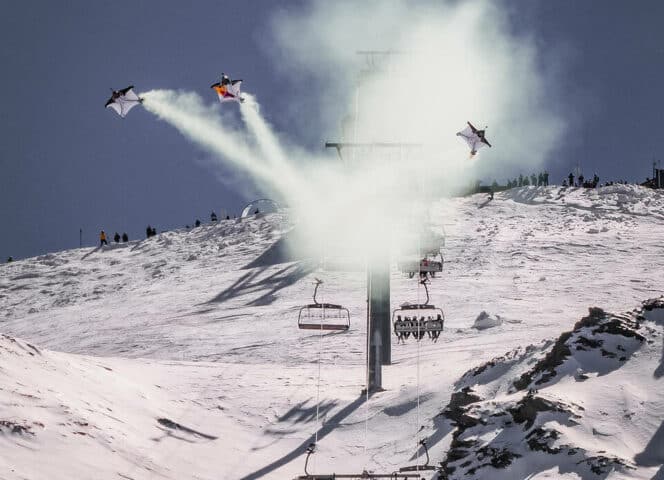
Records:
x=341, y=145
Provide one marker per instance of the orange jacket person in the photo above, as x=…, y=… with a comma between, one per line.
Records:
x=102, y=239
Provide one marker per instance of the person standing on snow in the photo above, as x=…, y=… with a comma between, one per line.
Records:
x=102, y=238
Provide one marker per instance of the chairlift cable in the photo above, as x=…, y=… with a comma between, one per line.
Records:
x=366, y=400
x=417, y=426
x=320, y=355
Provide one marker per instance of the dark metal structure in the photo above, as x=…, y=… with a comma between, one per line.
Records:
x=379, y=345
x=379, y=340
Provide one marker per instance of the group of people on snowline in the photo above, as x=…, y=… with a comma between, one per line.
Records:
x=541, y=179
x=124, y=238
x=581, y=181
x=116, y=238
x=213, y=218
x=150, y=231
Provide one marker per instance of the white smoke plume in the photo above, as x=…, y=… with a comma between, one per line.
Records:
x=454, y=62
x=204, y=126
x=448, y=63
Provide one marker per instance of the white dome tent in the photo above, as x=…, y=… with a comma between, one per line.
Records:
x=263, y=205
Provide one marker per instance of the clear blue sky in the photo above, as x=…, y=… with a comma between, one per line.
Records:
x=67, y=163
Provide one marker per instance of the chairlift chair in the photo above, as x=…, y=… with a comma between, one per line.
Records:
x=418, y=319
x=358, y=476
x=425, y=266
x=418, y=468
x=323, y=316
x=421, y=254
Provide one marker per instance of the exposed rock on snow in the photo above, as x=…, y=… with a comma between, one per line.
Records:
x=653, y=311
x=598, y=332
x=546, y=419
x=7, y=426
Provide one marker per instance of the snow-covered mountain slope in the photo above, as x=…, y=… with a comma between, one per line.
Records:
x=199, y=330
x=588, y=405
x=67, y=416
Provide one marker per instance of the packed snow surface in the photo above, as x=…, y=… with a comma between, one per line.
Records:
x=179, y=357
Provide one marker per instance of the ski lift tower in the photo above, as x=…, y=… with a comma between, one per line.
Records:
x=379, y=339
x=379, y=326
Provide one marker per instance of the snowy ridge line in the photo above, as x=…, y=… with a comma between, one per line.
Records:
x=542, y=409
x=73, y=280
x=17, y=347
x=625, y=199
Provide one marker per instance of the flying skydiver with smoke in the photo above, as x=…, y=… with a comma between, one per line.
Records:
x=474, y=138
x=123, y=100
x=228, y=90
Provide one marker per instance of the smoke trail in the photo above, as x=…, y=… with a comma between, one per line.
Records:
x=263, y=134
x=201, y=124
x=272, y=152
